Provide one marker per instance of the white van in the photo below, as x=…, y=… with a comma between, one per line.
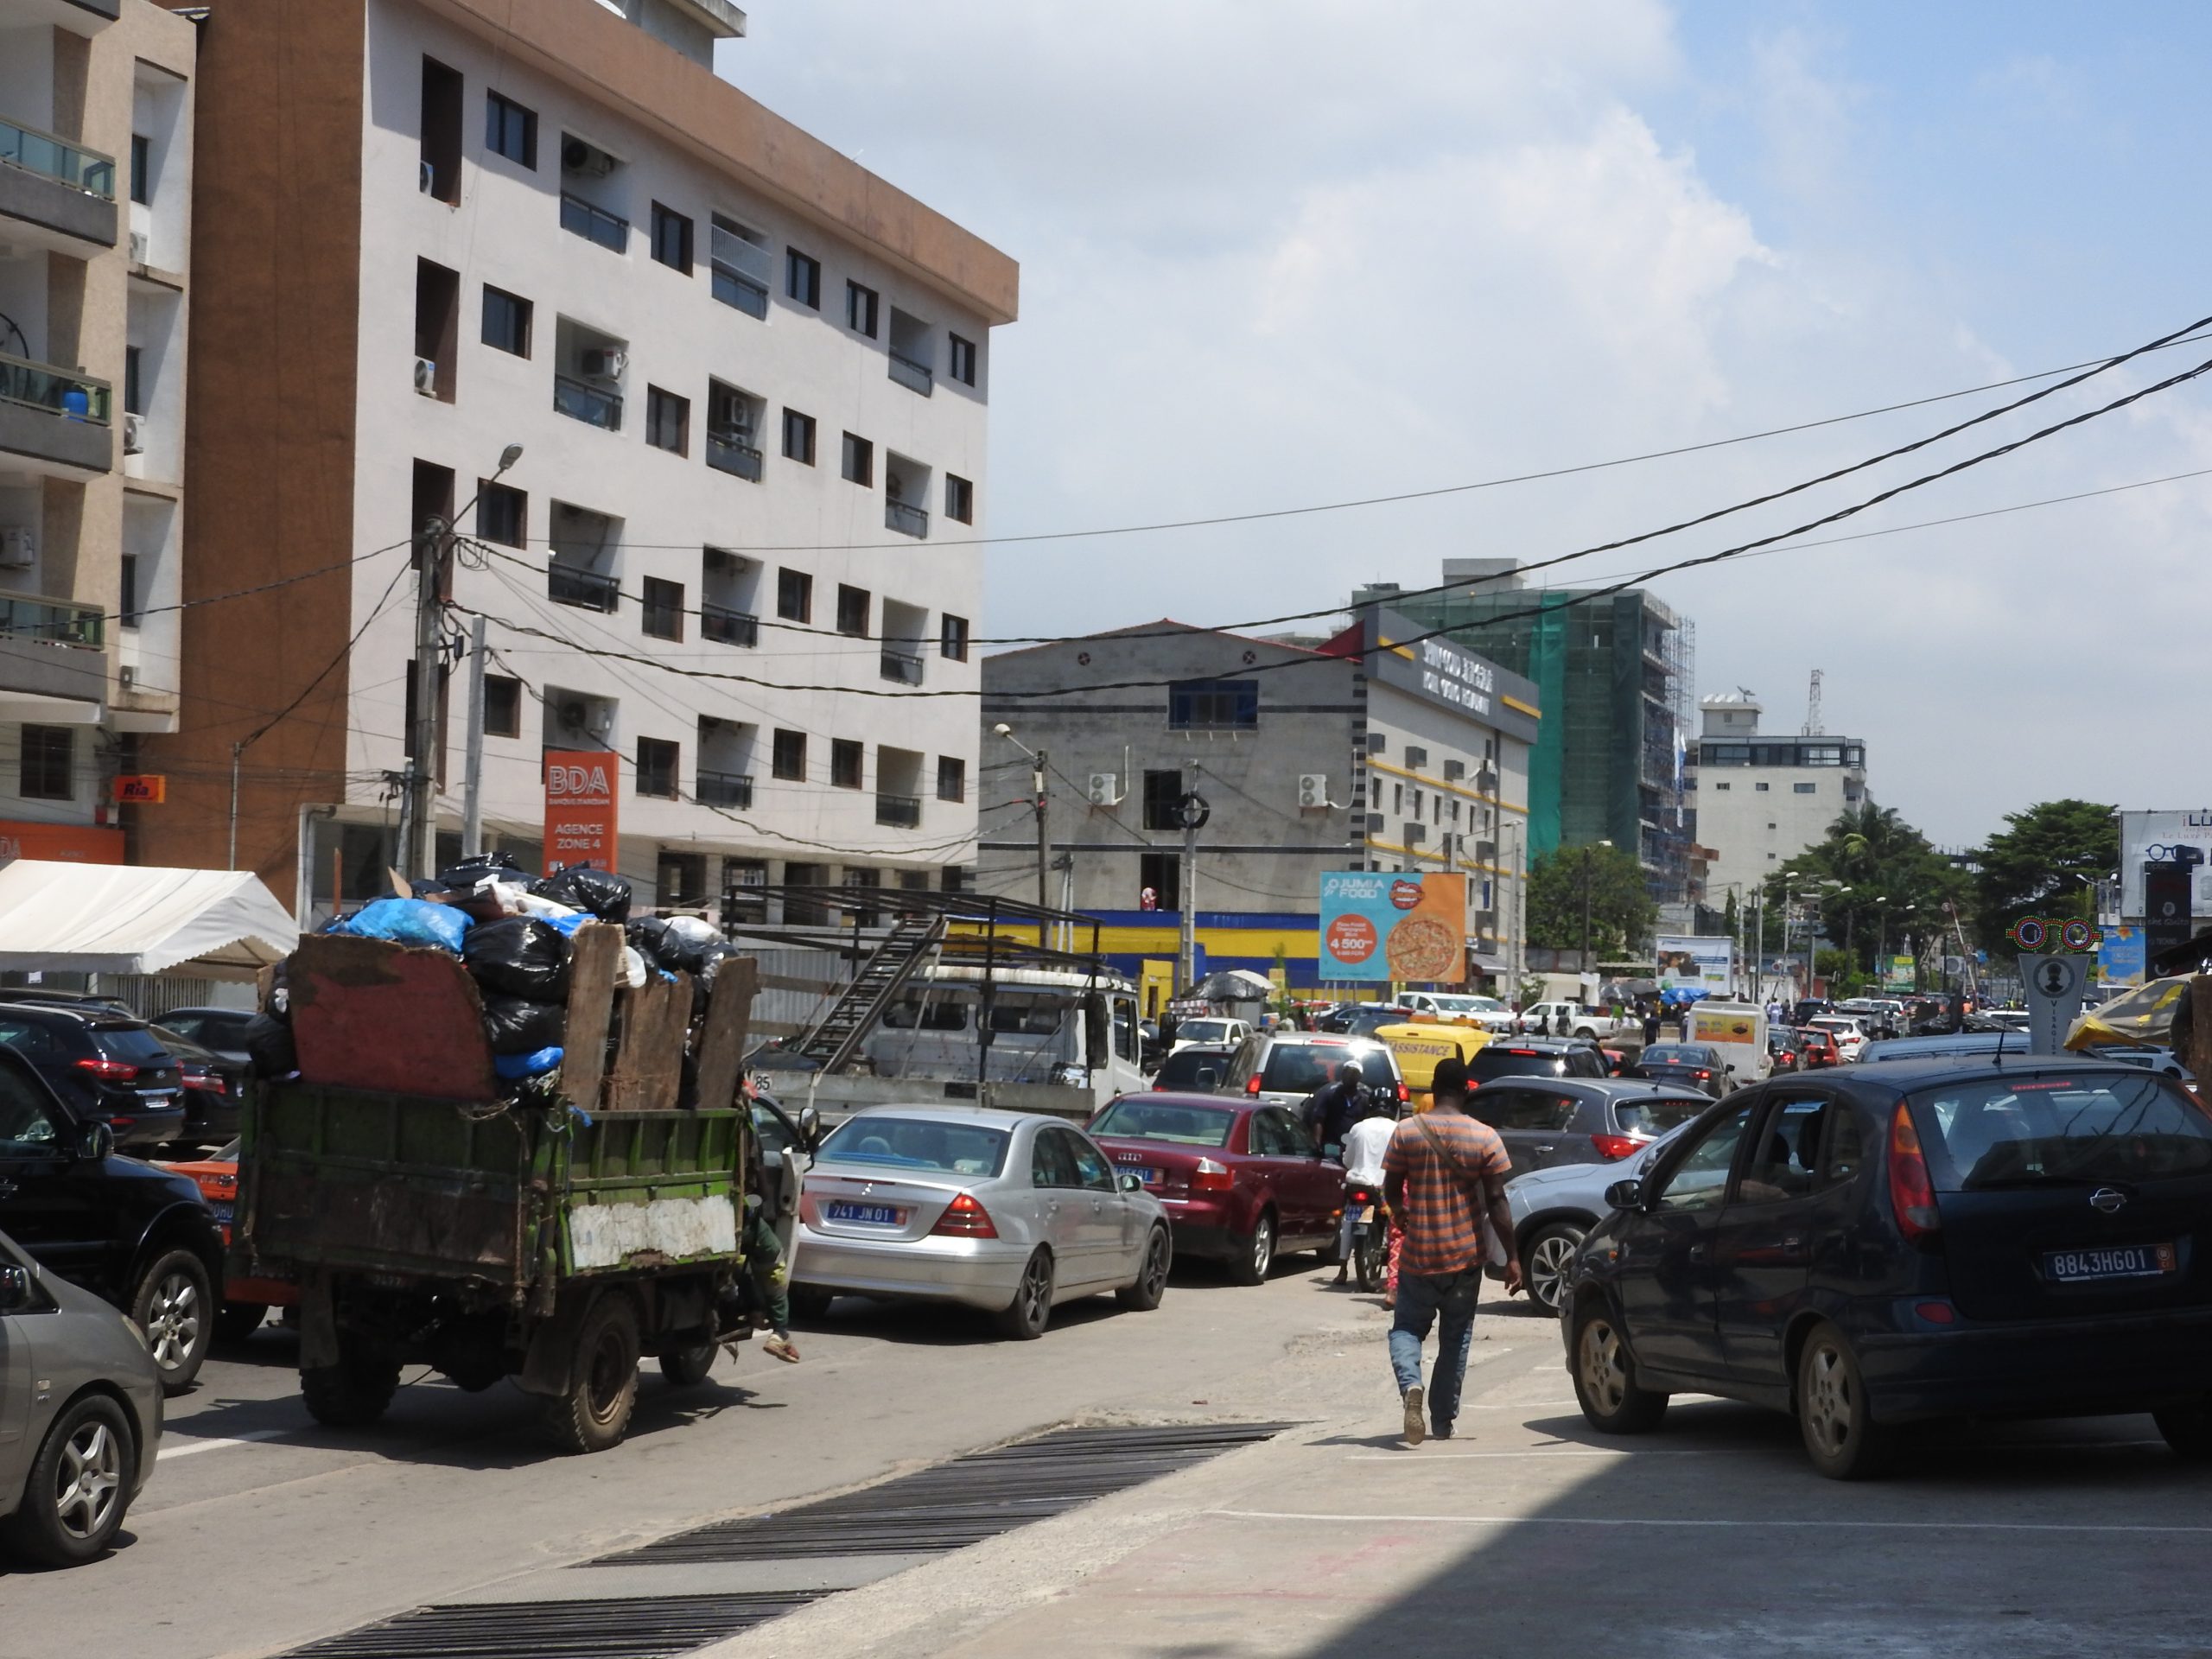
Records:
x=1738, y=1030
x=1047, y=1026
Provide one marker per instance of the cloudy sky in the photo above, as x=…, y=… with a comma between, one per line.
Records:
x=1282, y=252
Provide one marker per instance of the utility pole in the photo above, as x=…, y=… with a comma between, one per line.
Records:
x=1191, y=810
x=1044, y=842
x=472, y=797
x=418, y=852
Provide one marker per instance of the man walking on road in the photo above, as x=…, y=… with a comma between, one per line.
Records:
x=1443, y=1174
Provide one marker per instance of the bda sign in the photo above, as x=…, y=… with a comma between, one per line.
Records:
x=580, y=807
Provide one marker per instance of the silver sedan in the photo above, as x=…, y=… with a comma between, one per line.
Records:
x=73, y=1454
x=1007, y=1211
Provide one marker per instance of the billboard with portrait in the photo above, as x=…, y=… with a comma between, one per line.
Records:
x=1407, y=927
x=1690, y=963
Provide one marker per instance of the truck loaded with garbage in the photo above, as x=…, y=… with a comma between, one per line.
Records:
x=502, y=1134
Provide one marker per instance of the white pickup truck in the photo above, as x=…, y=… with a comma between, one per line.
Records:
x=1573, y=1020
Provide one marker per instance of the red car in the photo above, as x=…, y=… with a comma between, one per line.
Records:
x=1816, y=1048
x=246, y=1302
x=1239, y=1179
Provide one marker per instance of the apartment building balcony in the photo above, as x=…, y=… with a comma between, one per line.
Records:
x=51, y=622
x=723, y=789
x=594, y=224
x=61, y=193
x=727, y=454
x=54, y=415
x=586, y=589
x=901, y=667
x=905, y=518
x=726, y=625
x=899, y=811
x=582, y=401
x=913, y=375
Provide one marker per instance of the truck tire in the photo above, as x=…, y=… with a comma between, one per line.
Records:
x=354, y=1393
x=687, y=1368
x=174, y=1306
x=595, y=1414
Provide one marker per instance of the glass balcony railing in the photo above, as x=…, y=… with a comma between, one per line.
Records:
x=77, y=396
x=582, y=401
x=57, y=158
x=566, y=585
x=54, y=622
x=915, y=377
x=899, y=811
x=727, y=627
x=903, y=666
x=907, y=521
x=725, y=789
x=728, y=455
x=580, y=218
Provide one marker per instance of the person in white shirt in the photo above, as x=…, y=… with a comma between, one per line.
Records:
x=1364, y=1143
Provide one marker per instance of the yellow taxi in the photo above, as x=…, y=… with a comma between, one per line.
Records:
x=1419, y=1046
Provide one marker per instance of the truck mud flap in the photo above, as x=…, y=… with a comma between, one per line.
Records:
x=549, y=1364
x=318, y=1323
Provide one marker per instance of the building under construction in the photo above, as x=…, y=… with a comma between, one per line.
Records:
x=1614, y=676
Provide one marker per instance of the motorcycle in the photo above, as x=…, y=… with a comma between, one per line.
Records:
x=1370, y=1233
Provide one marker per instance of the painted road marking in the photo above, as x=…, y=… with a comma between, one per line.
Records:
x=247, y=1439
x=1967, y=1523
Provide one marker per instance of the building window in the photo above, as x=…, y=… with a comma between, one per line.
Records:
x=959, y=499
x=951, y=777
x=134, y=396
x=664, y=608
x=1213, y=705
x=788, y=757
x=506, y=321
x=672, y=239
x=1161, y=872
x=657, y=763
x=141, y=170
x=963, y=360
x=1762, y=788
x=1723, y=788
x=860, y=309
x=952, y=638
x=1804, y=789
x=1397, y=797
x=799, y=438
x=1163, y=798
x=668, y=421
x=510, y=129
x=852, y=610
x=48, y=758
x=127, y=606
x=845, y=759
x=859, y=462
x=802, y=279
x=502, y=515
x=441, y=117
x=794, y=596
x=502, y=706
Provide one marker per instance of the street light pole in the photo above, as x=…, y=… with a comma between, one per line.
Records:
x=1037, y=766
x=1589, y=853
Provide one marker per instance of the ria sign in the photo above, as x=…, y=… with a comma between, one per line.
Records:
x=2040, y=935
x=580, y=808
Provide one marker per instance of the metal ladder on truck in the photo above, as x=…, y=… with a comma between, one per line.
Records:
x=837, y=1037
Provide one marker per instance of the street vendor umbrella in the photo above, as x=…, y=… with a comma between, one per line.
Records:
x=1234, y=985
x=1675, y=996
x=2144, y=1014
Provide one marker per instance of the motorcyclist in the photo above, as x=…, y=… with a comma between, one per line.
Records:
x=1364, y=1144
x=1332, y=1109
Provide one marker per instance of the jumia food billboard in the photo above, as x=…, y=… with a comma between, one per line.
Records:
x=1408, y=927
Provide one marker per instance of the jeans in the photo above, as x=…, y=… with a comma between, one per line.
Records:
x=1422, y=1298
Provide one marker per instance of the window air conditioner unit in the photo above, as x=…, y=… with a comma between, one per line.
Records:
x=1105, y=789
x=1312, y=791
x=1375, y=824
x=134, y=434
x=1486, y=852
x=426, y=377
x=1486, y=780
x=586, y=160
x=573, y=714
x=601, y=723
x=603, y=365
x=138, y=247
x=1416, y=757
x=1454, y=771
x=426, y=179
x=1416, y=833
x=18, y=550
x=126, y=676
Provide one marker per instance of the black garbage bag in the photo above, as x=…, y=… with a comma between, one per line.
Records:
x=518, y=956
x=269, y=1045
x=517, y=1026
x=648, y=937
x=602, y=893
x=464, y=874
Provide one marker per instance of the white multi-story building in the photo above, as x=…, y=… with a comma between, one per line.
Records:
x=749, y=381
x=1762, y=800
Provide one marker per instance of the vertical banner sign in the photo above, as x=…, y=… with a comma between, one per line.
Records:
x=1378, y=927
x=579, y=807
x=2054, y=986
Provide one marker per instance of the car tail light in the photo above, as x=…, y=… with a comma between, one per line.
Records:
x=965, y=1219
x=108, y=1071
x=1704, y=1076
x=1611, y=1147
x=1912, y=1195
x=1404, y=1093
x=1936, y=1312
x=1252, y=1084
x=1211, y=1176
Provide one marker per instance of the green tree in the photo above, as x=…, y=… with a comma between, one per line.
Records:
x=1876, y=880
x=2040, y=863
x=1622, y=913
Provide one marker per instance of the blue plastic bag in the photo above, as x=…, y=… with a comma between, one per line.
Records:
x=408, y=921
x=512, y=1068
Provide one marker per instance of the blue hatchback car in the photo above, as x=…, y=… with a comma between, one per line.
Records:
x=1896, y=1241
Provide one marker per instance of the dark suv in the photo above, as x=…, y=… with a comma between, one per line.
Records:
x=141, y=1237
x=1537, y=1057
x=107, y=1068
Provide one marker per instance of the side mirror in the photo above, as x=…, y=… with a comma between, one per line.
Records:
x=1625, y=1195
x=95, y=1142
x=1132, y=1182
x=810, y=1127
x=14, y=1289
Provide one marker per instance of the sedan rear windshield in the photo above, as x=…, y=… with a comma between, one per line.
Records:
x=1496, y=1062
x=1301, y=1068
x=2006, y=1132
x=1654, y=1115
x=1134, y=1118
x=134, y=1043
x=917, y=1143
x=1678, y=1054
x=1181, y=1069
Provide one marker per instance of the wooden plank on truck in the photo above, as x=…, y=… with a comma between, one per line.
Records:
x=729, y=1019
x=594, y=958
x=369, y=1015
x=649, y=1060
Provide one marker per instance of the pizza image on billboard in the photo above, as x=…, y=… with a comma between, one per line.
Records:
x=1406, y=927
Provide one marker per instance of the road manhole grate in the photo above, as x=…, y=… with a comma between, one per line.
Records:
x=624, y=1627
x=955, y=1504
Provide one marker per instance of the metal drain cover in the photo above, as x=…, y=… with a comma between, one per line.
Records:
x=628, y=1627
